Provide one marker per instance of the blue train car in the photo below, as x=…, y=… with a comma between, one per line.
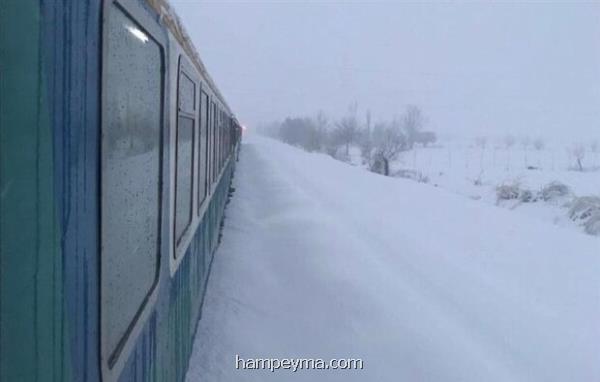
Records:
x=116, y=156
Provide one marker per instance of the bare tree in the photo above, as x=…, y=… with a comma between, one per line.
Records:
x=365, y=140
x=320, y=130
x=347, y=128
x=509, y=141
x=425, y=138
x=578, y=152
x=481, y=142
x=595, y=148
x=539, y=144
x=333, y=142
x=412, y=123
x=388, y=142
x=269, y=129
x=299, y=132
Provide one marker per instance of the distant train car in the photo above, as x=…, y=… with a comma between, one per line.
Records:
x=116, y=156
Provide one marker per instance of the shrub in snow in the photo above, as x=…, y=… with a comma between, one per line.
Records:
x=526, y=196
x=508, y=191
x=514, y=191
x=417, y=176
x=554, y=190
x=584, y=207
x=478, y=181
x=592, y=225
x=587, y=210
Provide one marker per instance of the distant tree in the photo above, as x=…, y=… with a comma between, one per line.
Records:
x=578, y=152
x=388, y=142
x=412, y=123
x=525, y=142
x=594, y=148
x=288, y=132
x=299, y=132
x=481, y=142
x=425, y=138
x=509, y=141
x=270, y=129
x=365, y=139
x=539, y=144
x=318, y=136
x=332, y=142
x=347, y=128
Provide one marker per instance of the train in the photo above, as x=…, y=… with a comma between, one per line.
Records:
x=117, y=152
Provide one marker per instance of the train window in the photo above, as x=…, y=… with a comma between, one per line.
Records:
x=213, y=143
x=202, y=156
x=228, y=136
x=215, y=140
x=224, y=145
x=219, y=142
x=220, y=139
x=187, y=93
x=225, y=131
x=209, y=148
x=184, y=155
x=131, y=176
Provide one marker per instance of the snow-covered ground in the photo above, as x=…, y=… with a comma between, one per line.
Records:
x=475, y=172
x=325, y=260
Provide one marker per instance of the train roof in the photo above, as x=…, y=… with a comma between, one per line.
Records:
x=171, y=20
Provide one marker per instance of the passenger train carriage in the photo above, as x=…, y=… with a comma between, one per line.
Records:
x=116, y=156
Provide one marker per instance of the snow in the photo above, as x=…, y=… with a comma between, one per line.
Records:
x=475, y=172
x=325, y=260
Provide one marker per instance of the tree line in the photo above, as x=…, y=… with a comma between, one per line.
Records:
x=379, y=142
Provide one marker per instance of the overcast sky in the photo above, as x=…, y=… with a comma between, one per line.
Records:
x=474, y=68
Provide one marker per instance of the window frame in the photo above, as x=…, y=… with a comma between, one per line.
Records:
x=203, y=182
x=214, y=144
x=184, y=68
x=112, y=361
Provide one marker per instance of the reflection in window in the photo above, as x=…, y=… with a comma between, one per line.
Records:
x=131, y=172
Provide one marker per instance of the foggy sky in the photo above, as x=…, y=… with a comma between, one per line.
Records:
x=474, y=68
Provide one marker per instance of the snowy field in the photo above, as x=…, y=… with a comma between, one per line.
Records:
x=476, y=172
x=325, y=260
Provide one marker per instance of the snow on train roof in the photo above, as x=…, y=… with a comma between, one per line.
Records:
x=171, y=20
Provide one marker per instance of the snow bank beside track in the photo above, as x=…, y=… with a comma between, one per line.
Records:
x=321, y=259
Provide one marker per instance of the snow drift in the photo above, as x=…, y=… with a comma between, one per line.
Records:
x=322, y=259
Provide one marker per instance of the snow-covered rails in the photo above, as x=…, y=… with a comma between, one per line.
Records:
x=117, y=157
